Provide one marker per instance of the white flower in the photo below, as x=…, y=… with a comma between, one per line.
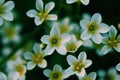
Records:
x=3, y=76
x=93, y=28
x=35, y=59
x=77, y=66
x=90, y=76
x=5, y=11
x=73, y=44
x=85, y=2
x=56, y=74
x=55, y=41
x=112, y=41
x=42, y=14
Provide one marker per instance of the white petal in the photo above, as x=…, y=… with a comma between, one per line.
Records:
x=28, y=55
x=83, y=23
x=118, y=38
x=85, y=35
x=71, y=59
x=65, y=38
x=92, y=75
x=9, y=6
x=13, y=76
x=49, y=50
x=45, y=39
x=43, y=64
x=118, y=67
x=8, y=16
x=82, y=56
x=51, y=17
x=105, y=40
x=30, y=65
x=97, y=38
x=104, y=28
x=85, y=2
x=49, y=6
x=70, y=1
x=112, y=32
x=2, y=1
x=39, y=5
x=82, y=73
x=61, y=50
x=47, y=72
x=87, y=63
x=57, y=67
x=106, y=49
x=54, y=31
x=117, y=47
x=96, y=18
x=36, y=48
x=32, y=13
x=79, y=43
x=2, y=76
x=1, y=21
x=68, y=72
x=38, y=21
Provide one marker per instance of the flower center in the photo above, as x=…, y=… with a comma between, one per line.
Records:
x=9, y=32
x=112, y=43
x=86, y=78
x=2, y=10
x=56, y=75
x=78, y=66
x=63, y=29
x=71, y=46
x=37, y=58
x=43, y=15
x=19, y=68
x=109, y=77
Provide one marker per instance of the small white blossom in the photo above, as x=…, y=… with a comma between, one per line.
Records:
x=93, y=28
x=35, y=59
x=3, y=76
x=55, y=41
x=85, y=2
x=77, y=66
x=112, y=41
x=42, y=14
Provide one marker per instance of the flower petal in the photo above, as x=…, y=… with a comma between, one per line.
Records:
x=28, y=55
x=85, y=2
x=82, y=73
x=13, y=76
x=45, y=39
x=2, y=1
x=104, y=28
x=9, y=6
x=70, y=1
x=36, y=48
x=105, y=40
x=118, y=38
x=112, y=32
x=82, y=56
x=85, y=35
x=47, y=72
x=61, y=50
x=1, y=21
x=49, y=6
x=54, y=31
x=39, y=5
x=51, y=17
x=96, y=18
x=49, y=50
x=30, y=65
x=97, y=38
x=71, y=59
x=38, y=21
x=8, y=16
x=83, y=23
x=117, y=47
x=87, y=63
x=57, y=67
x=118, y=67
x=2, y=76
x=43, y=64
x=106, y=49
x=32, y=13
x=92, y=75
x=65, y=38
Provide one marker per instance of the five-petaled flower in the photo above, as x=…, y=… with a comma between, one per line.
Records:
x=111, y=41
x=93, y=28
x=5, y=11
x=42, y=14
x=85, y=2
x=37, y=58
x=77, y=66
x=55, y=41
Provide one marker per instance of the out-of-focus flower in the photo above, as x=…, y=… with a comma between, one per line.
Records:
x=55, y=41
x=42, y=14
x=77, y=66
x=35, y=59
x=56, y=74
x=3, y=76
x=10, y=33
x=90, y=76
x=93, y=28
x=73, y=44
x=118, y=66
x=5, y=11
x=111, y=41
x=85, y=2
